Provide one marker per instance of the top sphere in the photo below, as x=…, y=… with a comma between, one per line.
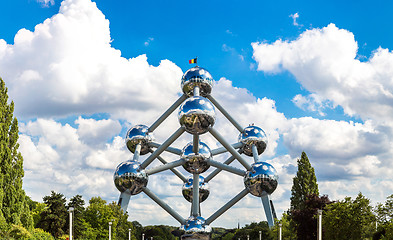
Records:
x=197, y=114
x=139, y=134
x=253, y=135
x=197, y=76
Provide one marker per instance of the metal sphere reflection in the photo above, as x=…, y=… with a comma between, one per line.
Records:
x=130, y=177
x=197, y=76
x=253, y=135
x=196, y=163
x=197, y=114
x=203, y=189
x=262, y=177
x=196, y=228
x=139, y=134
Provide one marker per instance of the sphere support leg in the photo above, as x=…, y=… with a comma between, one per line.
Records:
x=124, y=200
x=268, y=209
x=225, y=113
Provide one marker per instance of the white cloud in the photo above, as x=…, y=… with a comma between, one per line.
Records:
x=67, y=66
x=294, y=17
x=46, y=3
x=149, y=40
x=324, y=62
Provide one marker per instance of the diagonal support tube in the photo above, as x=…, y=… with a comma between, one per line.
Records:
x=195, y=195
x=255, y=153
x=167, y=113
x=225, y=113
x=165, y=206
x=124, y=199
x=226, y=167
x=168, y=149
x=163, y=146
x=229, y=148
x=223, y=150
x=175, y=171
x=229, y=204
x=165, y=167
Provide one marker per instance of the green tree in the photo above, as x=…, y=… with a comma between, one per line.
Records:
x=349, y=219
x=53, y=218
x=304, y=183
x=384, y=214
x=13, y=204
x=288, y=230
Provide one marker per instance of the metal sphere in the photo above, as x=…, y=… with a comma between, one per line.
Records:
x=130, y=177
x=196, y=163
x=261, y=178
x=253, y=135
x=139, y=134
x=203, y=189
x=197, y=114
x=196, y=228
x=197, y=76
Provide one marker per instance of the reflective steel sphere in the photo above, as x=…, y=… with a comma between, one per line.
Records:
x=197, y=76
x=203, y=189
x=197, y=114
x=253, y=135
x=139, y=134
x=196, y=163
x=130, y=177
x=262, y=177
x=196, y=228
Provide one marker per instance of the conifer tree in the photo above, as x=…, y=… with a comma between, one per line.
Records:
x=13, y=204
x=304, y=183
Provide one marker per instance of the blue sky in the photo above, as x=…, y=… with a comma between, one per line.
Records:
x=316, y=77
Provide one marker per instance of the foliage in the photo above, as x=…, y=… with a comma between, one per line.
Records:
x=384, y=215
x=39, y=234
x=304, y=183
x=349, y=219
x=288, y=230
x=19, y=232
x=13, y=204
x=158, y=232
x=306, y=219
x=53, y=218
x=253, y=230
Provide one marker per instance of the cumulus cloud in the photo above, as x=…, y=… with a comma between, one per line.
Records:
x=324, y=61
x=46, y=3
x=71, y=68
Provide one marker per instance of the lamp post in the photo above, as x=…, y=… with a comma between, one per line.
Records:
x=110, y=230
x=319, y=224
x=260, y=235
x=279, y=231
x=143, y=236
x=248, y=237
x=71, y=210
x=129, y=234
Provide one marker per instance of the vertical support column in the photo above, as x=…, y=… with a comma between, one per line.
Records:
x=195, y=143
x=195, y=195
x=319, y=224
x=255, y=153
x=137, y=152
x=268, y=209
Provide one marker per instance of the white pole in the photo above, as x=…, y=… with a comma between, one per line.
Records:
x=319, y=224
x=71, y=209
x=129, y=234
x=143, y=236
x=260, y=235
x=248, y=237
x=279, y=231
x=110, y=230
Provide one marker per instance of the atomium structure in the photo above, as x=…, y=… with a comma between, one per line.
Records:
x=197, y=117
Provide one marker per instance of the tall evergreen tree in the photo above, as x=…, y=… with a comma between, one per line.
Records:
x=13, y=201
x=304, y=183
